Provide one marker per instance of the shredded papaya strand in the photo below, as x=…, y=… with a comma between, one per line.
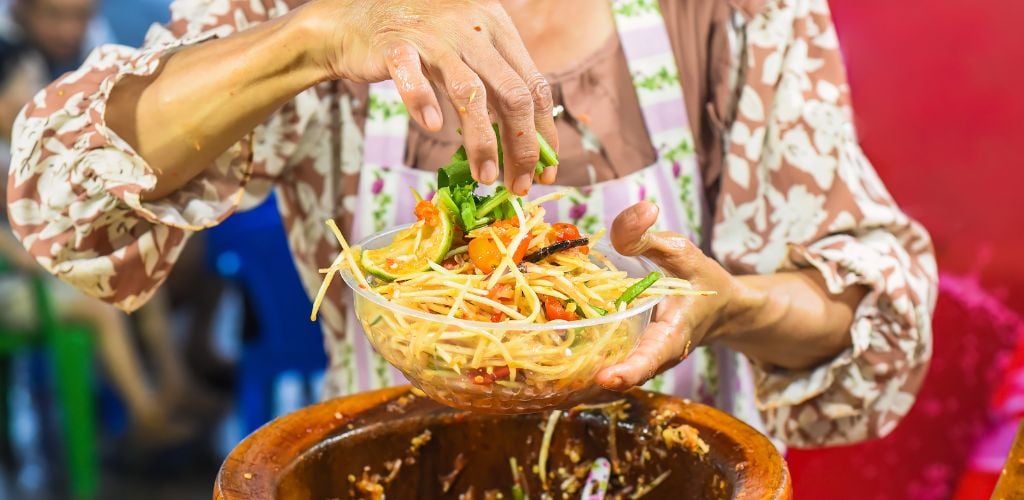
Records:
x=557, y=195
x=550, y=360
x=322, y=292
x=354, y=268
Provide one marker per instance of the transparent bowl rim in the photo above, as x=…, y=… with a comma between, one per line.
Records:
x=603, y=246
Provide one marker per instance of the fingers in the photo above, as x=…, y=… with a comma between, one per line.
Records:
x=660, y=345
x=674, y=252
x=489, y=65
x=513, y=104
x=469, y=98
x=406, y=70
x=510, y=46
x=629, y=229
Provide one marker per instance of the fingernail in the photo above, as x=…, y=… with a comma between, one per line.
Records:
x=521, y=186
x=549, y=175
x=489, y=172
x=431, y=117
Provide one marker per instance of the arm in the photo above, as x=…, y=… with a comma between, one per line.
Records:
x=75, y=185
x=823, y=282
x=116, y=164
x=13, y=253
x=206, y=97
x=10, y=251
x=788, y=320
x=793, y=322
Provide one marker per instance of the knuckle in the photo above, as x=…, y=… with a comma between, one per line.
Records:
x=525, y=156
x=514, y=96
x=415, y=89
x=482, y=144
x=540, y=89
x=466, y=89
x=399, y=54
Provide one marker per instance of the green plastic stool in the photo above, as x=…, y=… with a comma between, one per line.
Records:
x=70, y=350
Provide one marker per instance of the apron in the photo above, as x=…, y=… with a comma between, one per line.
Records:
x=715, y=376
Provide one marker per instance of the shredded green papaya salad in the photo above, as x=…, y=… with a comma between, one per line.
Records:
x=490, y=294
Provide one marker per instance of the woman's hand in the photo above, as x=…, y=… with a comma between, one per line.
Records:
x=681, y=323
x=788, y=320
x=468, y=48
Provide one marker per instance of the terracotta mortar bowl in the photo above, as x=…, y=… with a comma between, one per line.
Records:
x=394, y=444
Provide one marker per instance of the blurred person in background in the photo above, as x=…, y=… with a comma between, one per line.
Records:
x=62, y=31
x=150, y=406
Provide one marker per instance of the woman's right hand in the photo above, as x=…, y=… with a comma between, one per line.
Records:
x=468, y=48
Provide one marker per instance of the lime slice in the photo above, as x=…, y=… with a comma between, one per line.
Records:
x=412, y=250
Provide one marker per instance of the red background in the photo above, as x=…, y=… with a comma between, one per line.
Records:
x=937, y=97
x=937, y=91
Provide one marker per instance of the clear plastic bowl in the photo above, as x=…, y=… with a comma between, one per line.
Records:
x=557, y=363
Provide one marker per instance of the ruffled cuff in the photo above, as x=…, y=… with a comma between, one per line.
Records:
x=205, y=200
x=866, y=389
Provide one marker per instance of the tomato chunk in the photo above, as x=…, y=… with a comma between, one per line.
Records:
x=564, y=231
x=426, y=211
x=484, y=253
x=479, y=376
x=554, y=309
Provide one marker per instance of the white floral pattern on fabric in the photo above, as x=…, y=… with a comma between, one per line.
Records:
x=795, y=192
x=799, y=193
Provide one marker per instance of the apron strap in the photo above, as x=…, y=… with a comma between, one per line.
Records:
x=651, y=62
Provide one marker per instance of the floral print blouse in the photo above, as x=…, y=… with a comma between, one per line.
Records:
x=788, y=184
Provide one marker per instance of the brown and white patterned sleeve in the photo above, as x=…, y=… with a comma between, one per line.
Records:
x=74, y=186
x=797, y=192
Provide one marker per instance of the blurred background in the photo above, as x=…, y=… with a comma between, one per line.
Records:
x=99, y=405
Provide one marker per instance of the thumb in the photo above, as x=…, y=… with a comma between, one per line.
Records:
x=674, y=252
x=630, y=229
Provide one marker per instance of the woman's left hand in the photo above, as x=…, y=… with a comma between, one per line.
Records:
x=681, y=323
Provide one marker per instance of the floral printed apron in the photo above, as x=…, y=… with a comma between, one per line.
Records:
x=715, y=376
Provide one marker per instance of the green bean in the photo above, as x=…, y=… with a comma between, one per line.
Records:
x=634, y=291
x=547, y=153
x=598, y=310
x=499, y=197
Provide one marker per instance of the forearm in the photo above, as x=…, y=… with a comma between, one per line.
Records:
x=13, y=252
x=209, y=96
x=791, y=321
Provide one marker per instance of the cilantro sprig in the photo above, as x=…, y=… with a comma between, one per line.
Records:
x=456, y=189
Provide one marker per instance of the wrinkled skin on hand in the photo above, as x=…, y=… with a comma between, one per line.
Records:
x=470, y=51
x=680, y=323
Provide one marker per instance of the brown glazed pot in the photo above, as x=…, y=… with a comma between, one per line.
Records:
x=321, y=452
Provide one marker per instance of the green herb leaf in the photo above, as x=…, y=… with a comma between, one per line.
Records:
x=445, y=196
x=455, y=174
x=468, y=214
x=460, y=155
